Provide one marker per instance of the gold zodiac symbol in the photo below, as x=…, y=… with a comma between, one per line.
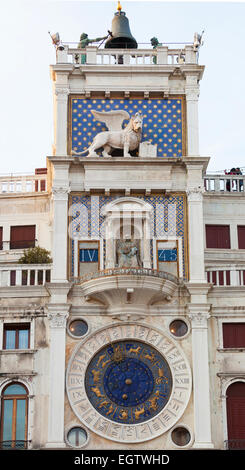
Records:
x=111, y=409
x=105, y=362
x=150, y=356
x=97, y=392
x=104, y=403
x=123, y=414
x=134, y=350
x=139, y=412
x=153, y=400
x=161, y=377
x=100, y=359
x=96, y=374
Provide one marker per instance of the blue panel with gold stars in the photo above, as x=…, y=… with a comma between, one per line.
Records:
x=163, y=122
x=128, y=382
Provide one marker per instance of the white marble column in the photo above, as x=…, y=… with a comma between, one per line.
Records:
x=192, y=95
x=57, y=315
x=201, y=388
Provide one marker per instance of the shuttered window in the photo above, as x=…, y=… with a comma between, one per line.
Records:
x=1, y=238
x=22, y=236
x=234, y=335
x=236, y=415
x=241, y=237
x=218, y=236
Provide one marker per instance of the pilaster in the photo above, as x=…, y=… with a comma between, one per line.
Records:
x=192, y=95
x=61, y=106
x=196, y=238
x=60, y=193
x=57, y=315
x=199, y=315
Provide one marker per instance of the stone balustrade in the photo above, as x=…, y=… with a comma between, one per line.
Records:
x=24, y=274
x=162, y=55
x=224, y=183
x=129, y=272
x=23, y=184
x=226, y=275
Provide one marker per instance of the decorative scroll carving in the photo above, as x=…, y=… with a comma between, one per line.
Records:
x=58, y=319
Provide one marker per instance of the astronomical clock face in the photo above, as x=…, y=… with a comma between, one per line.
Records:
x=128, y=383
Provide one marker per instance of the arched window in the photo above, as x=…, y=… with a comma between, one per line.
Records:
x=235, y=401
x=14, y=412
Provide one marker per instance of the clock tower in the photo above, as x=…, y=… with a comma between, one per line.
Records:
x=128, y=310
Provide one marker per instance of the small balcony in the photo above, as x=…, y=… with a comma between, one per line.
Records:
x=125, y=289
x=224, y=184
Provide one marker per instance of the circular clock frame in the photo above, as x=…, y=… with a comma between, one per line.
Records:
x=130, y=423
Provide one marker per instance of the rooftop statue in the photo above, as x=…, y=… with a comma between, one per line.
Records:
x=155, y=43
x=127, y=139
x=85, y=41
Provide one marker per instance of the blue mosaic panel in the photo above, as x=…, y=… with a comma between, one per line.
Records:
x=168, y=213
x=163, y=122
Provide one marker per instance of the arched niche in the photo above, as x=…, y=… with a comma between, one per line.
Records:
x=128, y=218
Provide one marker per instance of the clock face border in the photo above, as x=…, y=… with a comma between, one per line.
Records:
x=128, y=381
x=123, y=432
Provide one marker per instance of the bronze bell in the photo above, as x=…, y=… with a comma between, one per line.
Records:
x=121, y=34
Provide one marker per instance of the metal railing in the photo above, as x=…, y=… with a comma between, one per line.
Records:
x=14, y=445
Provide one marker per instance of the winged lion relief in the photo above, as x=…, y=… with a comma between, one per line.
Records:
x=127, y=139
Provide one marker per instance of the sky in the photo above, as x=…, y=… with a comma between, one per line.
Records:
x=26, y=111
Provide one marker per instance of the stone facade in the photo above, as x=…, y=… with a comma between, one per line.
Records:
x=160, y=197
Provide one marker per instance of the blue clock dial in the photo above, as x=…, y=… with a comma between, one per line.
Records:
x=128, y=382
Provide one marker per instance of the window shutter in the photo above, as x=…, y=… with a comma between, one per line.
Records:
x=22, y=236
x=1, y=238
x=234, y=335
x=241, y=237
x=217, y=236
x=236, y=411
